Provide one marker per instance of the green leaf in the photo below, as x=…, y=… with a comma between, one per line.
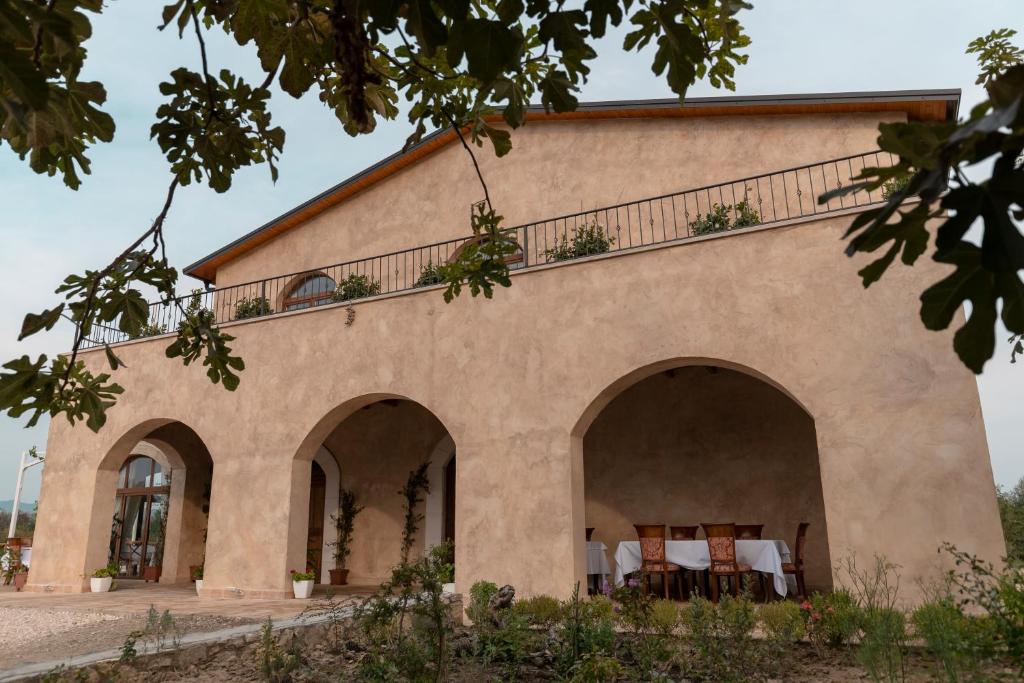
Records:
x=113, y=360
x=491, y=48
x=43, y=321
x=25, y=81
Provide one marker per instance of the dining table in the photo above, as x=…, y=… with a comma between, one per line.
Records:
x=766, y=556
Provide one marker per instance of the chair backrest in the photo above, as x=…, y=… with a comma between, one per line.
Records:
x=749, y=531
x=682, y=533
x=721, y=542
x=590, y=533
x=652, y=542
x=801, y=543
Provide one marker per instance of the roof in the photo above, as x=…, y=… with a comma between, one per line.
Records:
x=920, y=105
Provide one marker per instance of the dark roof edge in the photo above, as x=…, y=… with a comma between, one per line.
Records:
x=950, y=95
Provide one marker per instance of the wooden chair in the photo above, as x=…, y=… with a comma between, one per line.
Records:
x=652, y=556
x=796, y=567
x=749, y=532
x=683, y=533
x=722, y=549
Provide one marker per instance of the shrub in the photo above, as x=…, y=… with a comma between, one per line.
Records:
x=722, y=639
x=429, y=275
x=893, y=186
x=479, y=595
x=1000, y=595
x=725, y=217
x=595, y=667
x=783, y=622
x=831, y=619
x=151, y=330
x=585, y=240
x=275, y=665
x=355, y=286
x=1011, y=512
x=664, y=617
x=252, y=307
x=883, y=639
x=344, y=524
x=956, y=642
x=586, y=627
x=540, y=610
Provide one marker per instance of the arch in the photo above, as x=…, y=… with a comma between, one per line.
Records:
x=373, y=440
x=731, y=444
x=188, y=466
x=616, y=387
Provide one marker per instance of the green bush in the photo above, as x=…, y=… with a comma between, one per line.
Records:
x=479, y=595
x=595, y=667
x=540, y=610
x=957, y=643
x=883, y=643
x=429, y=275
x=664, y=617
x=355, y=286
x=893, y=186
x=586, y=627
x=831, y=619
x=723, y=217
x=722, y=639
x=1011, y=512
x=585, y=240
x=783, y=622
x=252, y=307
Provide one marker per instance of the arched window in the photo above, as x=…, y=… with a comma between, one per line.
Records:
x=140, y=516
x=314, y=290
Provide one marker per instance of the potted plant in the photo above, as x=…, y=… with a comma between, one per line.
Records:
x=20, y=576
x=103, y=578
x=344, y=522
x=197, y=577
x=302, y=584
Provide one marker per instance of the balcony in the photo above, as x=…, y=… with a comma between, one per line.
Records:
x=689, y=215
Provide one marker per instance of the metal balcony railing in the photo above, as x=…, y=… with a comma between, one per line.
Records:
x=722, y=208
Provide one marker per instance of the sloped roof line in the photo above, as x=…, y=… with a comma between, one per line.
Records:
x=934, y=104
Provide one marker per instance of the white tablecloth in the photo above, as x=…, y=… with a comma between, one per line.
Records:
x=764, y=556
x=597, y=558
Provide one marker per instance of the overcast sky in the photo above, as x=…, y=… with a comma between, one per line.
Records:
x=48, y=231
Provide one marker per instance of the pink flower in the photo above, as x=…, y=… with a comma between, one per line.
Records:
x=806, y=604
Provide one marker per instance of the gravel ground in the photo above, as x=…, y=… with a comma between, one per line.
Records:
x=29, y=635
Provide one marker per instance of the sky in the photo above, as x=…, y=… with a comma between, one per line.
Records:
x=48, y=231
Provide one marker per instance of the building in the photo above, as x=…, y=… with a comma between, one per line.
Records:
x=683, y=374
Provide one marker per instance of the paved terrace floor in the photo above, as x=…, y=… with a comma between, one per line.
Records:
x=51, y=628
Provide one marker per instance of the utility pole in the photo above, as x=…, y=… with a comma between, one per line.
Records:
x=38, y=460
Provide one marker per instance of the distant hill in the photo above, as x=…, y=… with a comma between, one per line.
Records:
x=6, y=506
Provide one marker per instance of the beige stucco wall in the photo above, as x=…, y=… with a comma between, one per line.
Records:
x=518, y=380
x=555, y=168
x=697, y=445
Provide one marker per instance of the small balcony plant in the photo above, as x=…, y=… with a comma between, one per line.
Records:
x=430, y=274
x=252, y=307
x=585, y=240
x=355, y=286
x=344, y=522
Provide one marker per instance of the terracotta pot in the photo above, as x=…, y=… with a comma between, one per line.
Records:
x=339, y=577
x=151, y=573
x=20, y=579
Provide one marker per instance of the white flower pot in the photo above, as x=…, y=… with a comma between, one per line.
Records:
x=199, y=586
x=100, y=585
x=302, y=589
x=448, y=588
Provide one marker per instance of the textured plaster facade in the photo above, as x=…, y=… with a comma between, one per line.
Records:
x=873, y=417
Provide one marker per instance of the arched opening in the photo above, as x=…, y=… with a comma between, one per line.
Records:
x=373, y=444
x=688, y=444
x=153, y=497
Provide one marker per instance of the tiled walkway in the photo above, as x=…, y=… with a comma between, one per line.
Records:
x=135, y=597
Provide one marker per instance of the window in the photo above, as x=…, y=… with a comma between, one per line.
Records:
x=314, y=290
x=140, y=514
